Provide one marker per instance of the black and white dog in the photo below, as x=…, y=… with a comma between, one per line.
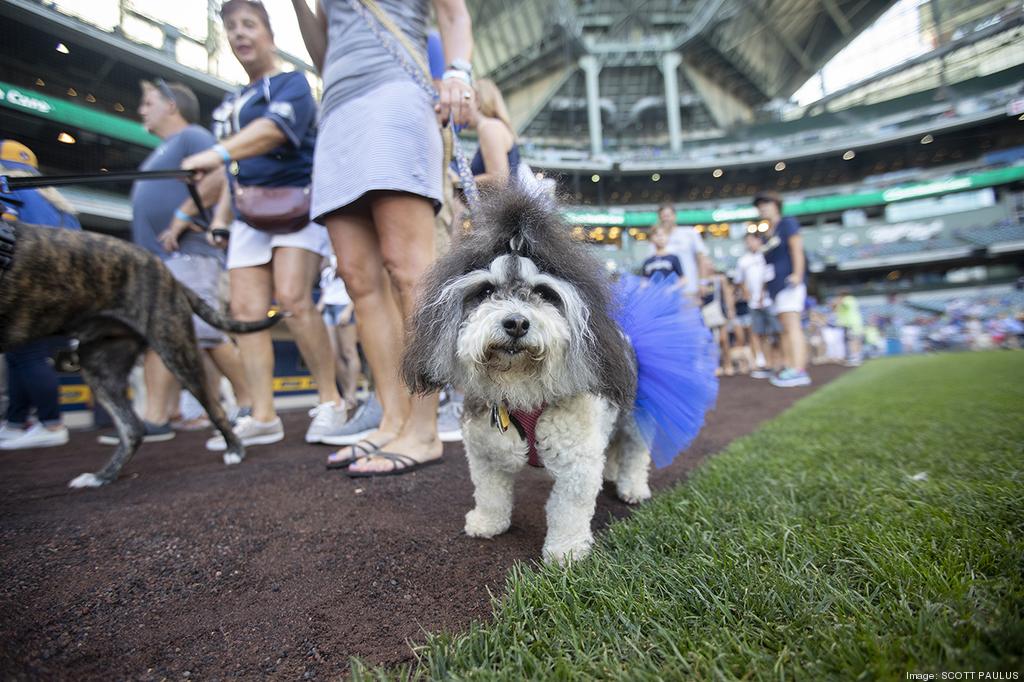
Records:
x=517, y=315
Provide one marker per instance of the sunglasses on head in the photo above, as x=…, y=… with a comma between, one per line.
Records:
x=165, y=89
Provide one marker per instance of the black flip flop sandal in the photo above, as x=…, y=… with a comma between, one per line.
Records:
x=401, y=464
x=363, y=451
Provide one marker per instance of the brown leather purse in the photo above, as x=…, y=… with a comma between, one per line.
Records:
x=277, y=210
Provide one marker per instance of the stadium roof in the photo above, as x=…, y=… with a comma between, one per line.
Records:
x=723, y=58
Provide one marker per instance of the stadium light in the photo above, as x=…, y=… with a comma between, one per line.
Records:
x=849, y=154
x=655, y=177
x=595, y=177
x=63, y=49
x=780, y=166
x=717, y=172
x=927, y=139
x=66, y=138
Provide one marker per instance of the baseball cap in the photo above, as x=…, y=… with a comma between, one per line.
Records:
x=16, y=156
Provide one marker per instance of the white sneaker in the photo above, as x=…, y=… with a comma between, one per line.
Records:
x=250, y=432
x=37, y=437
x=449, y=422
x=7, y=432
x=327, y=420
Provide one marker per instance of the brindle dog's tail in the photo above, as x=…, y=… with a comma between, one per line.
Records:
x=225, y=323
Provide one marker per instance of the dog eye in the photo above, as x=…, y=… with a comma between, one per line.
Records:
x=547, y=294
x=481, y=292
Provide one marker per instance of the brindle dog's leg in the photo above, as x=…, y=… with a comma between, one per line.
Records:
x=106, y=363
x=174, y=341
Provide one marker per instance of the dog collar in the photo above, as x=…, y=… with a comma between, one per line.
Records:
x=525, y=423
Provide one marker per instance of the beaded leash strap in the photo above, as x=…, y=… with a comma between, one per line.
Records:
x=376, y=18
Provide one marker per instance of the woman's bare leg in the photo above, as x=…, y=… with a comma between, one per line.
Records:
x=378, y=321
x=405, y=227
x=294, y=270
x=251, y=291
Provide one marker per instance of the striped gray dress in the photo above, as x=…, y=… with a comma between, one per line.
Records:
x=377, y=127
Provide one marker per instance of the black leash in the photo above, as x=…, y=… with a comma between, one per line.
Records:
x=8, y=184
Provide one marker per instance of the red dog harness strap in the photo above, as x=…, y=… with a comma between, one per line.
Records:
x=526, y=424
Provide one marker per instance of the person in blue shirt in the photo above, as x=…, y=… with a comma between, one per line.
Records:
x=662, y=261
x=31, y=379
x=787, y=286
x=267, y=132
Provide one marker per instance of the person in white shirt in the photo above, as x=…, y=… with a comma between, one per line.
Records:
x=686, y=244
x=751, y=272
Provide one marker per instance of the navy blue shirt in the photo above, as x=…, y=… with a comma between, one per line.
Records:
x=777, y=255
x=35, y=209
x=285, y=99
x=665, y=265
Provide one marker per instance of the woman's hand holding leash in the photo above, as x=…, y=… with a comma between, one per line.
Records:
x=455, y=100
x=169, y=237
x=208, y=161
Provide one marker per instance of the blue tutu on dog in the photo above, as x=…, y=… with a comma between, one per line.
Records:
x=676, y=358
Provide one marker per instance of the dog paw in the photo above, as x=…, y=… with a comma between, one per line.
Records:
x=232, y=458
x=87, y=481
x=480, y=525
x=633, y=494
x=563, y=554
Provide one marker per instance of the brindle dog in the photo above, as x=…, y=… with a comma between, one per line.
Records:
x=116, y=299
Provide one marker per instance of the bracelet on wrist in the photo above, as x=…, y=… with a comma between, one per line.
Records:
x=461, y=65
x=182, y=216
x=457, y=75
x=224, y=154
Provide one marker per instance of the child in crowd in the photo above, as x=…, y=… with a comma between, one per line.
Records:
x=662, y=261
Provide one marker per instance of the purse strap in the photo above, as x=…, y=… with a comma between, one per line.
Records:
x=420, y=73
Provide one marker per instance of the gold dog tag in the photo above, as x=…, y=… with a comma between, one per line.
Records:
x=500, y=418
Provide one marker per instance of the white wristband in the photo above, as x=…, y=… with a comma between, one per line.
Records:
x=455, y=73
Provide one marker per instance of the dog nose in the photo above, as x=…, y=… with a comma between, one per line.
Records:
x=516, y=326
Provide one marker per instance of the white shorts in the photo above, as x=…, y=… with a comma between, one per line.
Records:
x=249, y=247
x=790, y=300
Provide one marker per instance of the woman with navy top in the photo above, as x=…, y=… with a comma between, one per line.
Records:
x=267, y=131
x=377, y=187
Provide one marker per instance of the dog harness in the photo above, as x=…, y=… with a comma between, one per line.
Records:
x=526, y=425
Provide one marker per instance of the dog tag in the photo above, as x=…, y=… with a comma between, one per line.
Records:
x=500, y=418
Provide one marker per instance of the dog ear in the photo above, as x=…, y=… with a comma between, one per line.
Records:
x=428, y=363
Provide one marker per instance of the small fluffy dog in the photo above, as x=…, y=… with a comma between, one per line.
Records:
x=517, y=315
x=115, y=299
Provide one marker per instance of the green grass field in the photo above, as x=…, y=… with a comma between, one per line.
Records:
x=875, y=529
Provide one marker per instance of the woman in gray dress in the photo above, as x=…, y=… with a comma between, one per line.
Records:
x=376, y=186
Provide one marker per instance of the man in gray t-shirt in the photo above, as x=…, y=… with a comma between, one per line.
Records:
x=161, y=223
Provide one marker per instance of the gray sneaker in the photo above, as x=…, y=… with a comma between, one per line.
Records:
x=250, y=432
x=154, y=433
x=365, y=421
x=328, y=420
x=449, y=422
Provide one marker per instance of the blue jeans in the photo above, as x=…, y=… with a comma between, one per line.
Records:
x=32, y=382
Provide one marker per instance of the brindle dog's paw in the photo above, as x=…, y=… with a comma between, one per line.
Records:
x=87, y=481
x=233, y=458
